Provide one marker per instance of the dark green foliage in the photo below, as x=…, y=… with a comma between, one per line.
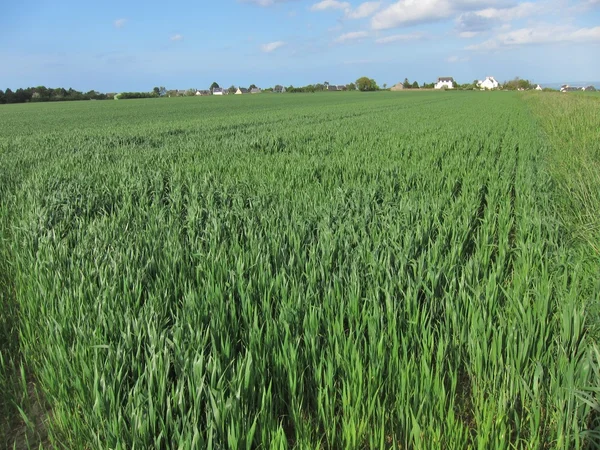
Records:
x=366, y=84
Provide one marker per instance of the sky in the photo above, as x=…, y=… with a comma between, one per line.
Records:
x=131, y=45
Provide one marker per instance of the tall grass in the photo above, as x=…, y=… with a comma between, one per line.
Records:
x=297, y=272
x=571, y=124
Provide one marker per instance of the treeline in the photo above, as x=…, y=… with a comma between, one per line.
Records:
x=44, y=94
x=511, y=85
x=318, y=87
x=129, y=95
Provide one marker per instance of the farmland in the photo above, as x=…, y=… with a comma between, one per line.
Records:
x=312, y=271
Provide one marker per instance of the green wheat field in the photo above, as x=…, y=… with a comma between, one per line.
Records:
x=327, y=271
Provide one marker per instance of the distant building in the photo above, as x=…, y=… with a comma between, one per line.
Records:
x=218, y=91
x=241, y=91
x=203, y=93
x=444, y=82
x=488, y=83
x=279, y=89
x=538, y=88
x=256, y=91
x=397, y=87
x=567, y=88
x=589, y=89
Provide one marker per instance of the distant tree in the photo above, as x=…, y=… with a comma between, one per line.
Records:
x=415, y=85
x=156, y=91
x=351, y=87
x=61, y=93
x=319, y=87
x=213, y=86
x=2, y=97
x=232, y=89
x=517, y=83
x=190, y=92
x=43, y=94
x=365, y=84
x=252, y=86
x=9, y=96
x=406, y=84
x=385, y=85
x=22, y=95
x=454, y=84
x=162, y=91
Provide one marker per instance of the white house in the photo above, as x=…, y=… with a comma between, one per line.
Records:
x=567, y=88
x=444, y=82
x=489, y=83
x=218, y=91
x=538, y=88
x=241, y=91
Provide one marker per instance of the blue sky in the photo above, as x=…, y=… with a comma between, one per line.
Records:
x=135, y=45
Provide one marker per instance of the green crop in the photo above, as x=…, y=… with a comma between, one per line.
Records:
x=366, y=271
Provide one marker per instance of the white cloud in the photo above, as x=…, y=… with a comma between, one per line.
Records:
x=329, y=4
x=471, y=23
x=406, y=12
x=400, y=38
x=411, y=12
x=352, y=36
x=539, y=35
x=365, y=9
x=176, y=37
x=520, y=11
x=120, y=23
x=272, y=46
